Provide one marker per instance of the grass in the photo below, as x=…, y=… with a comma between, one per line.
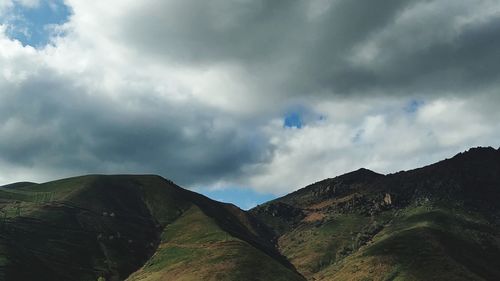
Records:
x=436, y=240
x=200, y=229
x=194, y=247
x=311, y=248
x=171, y=257
x=425, y=243
x=70, y=238
x=61, y=188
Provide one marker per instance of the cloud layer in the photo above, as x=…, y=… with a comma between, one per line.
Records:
x=198, y=91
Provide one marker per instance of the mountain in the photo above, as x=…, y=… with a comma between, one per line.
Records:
x=130, y=227
x=439, y=222
x=17, y=184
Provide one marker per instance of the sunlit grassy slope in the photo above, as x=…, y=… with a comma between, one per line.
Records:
x=194, y=247
x=424, y=243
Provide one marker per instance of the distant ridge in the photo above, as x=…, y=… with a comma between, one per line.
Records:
x=18, y=184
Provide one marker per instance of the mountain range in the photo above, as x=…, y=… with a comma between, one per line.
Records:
x=439, y=222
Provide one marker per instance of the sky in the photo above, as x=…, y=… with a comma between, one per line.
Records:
x=244, y=100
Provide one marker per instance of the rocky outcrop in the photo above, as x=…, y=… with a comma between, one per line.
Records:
x=387, y=199
x=282, y=210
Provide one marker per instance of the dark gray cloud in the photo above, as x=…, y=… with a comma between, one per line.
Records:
x=214, y=31
x=50, y=122
x=466, y=62
x=304, y=47
x=197, y=90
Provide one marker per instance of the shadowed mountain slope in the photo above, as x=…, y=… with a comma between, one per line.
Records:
x=108, y=227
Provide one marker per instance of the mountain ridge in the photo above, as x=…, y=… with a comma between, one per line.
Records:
x=460, y=193
x=437, y=222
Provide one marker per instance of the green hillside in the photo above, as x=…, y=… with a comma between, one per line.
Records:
x=440, y=222
x=194, y=247
x=108, y=227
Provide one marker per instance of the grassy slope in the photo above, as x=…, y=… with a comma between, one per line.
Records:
x=311, y=248
x=425, y=243
x=74, y=236
x=195, y=248
x=420, y=242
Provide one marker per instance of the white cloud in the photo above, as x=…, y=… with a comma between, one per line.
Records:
x=5, y=5
x=373, y=133
x=29, y=3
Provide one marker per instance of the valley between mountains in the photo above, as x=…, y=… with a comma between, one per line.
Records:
x=439, y=222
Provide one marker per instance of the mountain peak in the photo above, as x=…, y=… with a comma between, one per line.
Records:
x=477, y=158
x=363, y=172
x=479, y=151
x=360, y=175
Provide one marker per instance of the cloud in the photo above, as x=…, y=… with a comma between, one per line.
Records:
x=435, y=46
x=378, y=133
x=52, y=121
x=199, y=91
x=7, y=5
x=348, y=47
x=29, y=3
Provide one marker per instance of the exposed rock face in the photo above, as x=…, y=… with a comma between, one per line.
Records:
x=387, y=199
x=327, y=191
x=278, y=209
x=471, y=178
x=330, y=188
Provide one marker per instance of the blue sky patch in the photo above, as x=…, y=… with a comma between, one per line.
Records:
x=32, y=25
x=293, y=120
x=244, y=198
